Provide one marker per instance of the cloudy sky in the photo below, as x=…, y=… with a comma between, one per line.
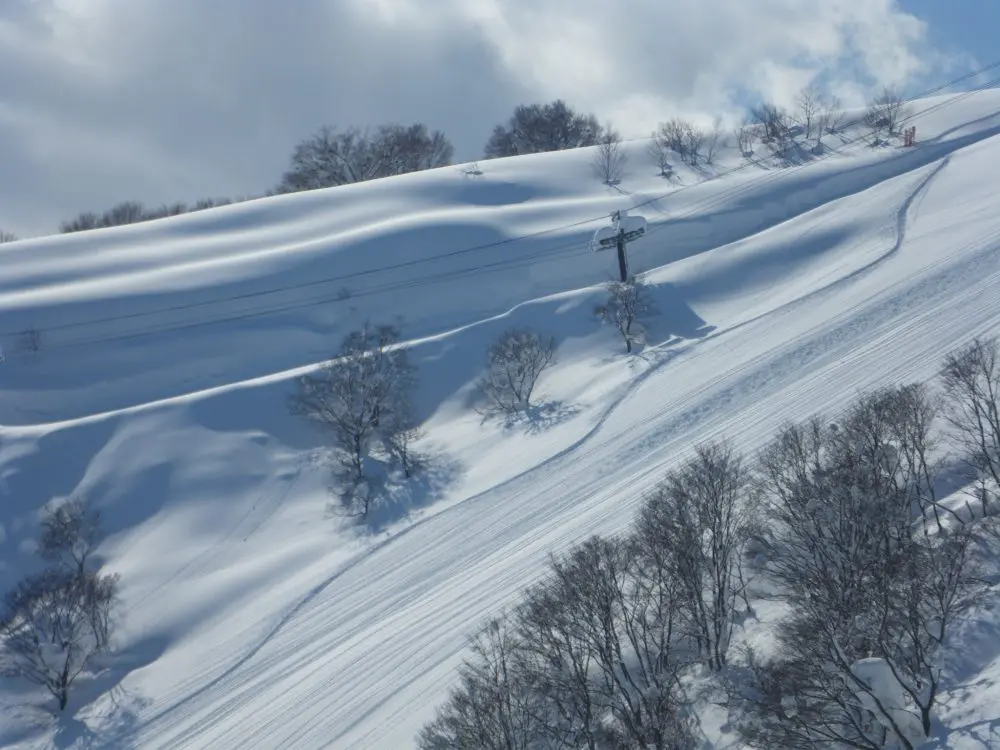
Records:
x=169, y=100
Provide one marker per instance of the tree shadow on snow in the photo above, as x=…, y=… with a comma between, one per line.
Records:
x=536, y=419
x=395, y=497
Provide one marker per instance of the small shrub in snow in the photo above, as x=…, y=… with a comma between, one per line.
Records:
x=7, y=237
x=516, y=360
x=473, y=170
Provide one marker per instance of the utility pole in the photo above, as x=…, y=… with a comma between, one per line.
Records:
x=623, y=229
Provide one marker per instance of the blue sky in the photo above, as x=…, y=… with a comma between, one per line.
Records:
x=969, y=26
x=173, y=100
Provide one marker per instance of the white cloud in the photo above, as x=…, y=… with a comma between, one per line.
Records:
x=163, y=100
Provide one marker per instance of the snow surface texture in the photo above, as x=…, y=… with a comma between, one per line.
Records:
x=254, y=620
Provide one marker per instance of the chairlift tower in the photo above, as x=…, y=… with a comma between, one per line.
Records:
x=623, y=229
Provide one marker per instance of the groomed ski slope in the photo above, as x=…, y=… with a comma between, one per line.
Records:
x=252, y=619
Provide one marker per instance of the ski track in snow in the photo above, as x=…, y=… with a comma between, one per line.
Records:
x=361, y=656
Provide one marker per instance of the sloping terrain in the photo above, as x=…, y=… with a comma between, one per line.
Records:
x=166, y=350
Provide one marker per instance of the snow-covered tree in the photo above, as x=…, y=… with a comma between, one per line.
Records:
x=535, y=128
x=361, y=400
x=701, y=518
x=609, y=159
x=628, y=301
x=971, y=379
x=863, y=576
x=331, y=157
x=516, y=360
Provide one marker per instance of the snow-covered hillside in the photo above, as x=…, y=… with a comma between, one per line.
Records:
x=166, y=350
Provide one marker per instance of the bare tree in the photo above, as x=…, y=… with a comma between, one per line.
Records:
x=169, y=209
x=809, y=103
x=127, y=212
x=694, y=139
x=412, y=148
x=671, y=134
x=516, y=360
x=203, y=204
x=536, y=128
x=680, y=136
x=7, y=237
x=836, y=115
x=822, y=123
x=628, y=631
x=53, y=627
x=819, y=691
x=863, y=586
x=492, y=707
x=774, y=123
x=330, y=158
x=713, y=141
x=558, y=664
x=661, y=155
x=81, y=223
x=971, y=379
x=70, y=533
x=609, y=159
x=701, y=518
x=628, y=301
x=747, y=133
x=399, y=431
x=885, y=111
x=361, y=400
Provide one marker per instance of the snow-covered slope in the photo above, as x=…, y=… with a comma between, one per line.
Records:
x=251, y=619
